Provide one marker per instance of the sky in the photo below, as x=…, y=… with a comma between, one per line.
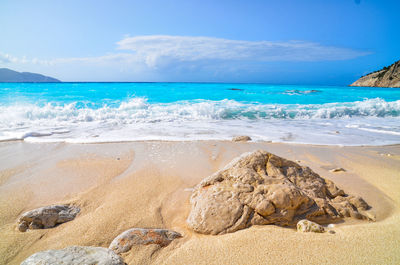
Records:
x=316, y=42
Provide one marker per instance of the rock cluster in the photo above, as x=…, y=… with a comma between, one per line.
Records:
x=141, y=236
x=75, y=255
x=50, y=216
x=257, y=188
x=261, y=188
x=47, y=217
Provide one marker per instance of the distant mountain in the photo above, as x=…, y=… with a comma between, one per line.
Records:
x=7, y=75
x=389, y=76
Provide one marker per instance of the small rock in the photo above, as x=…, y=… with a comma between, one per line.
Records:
x=141, y=236
x=75, y=255
x=308, y=226
x=338, y=169
x=236, y=89
x=47, y=217
x=242, y=138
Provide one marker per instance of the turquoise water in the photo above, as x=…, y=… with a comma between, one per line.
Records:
x=98, y=94
x=101, y=112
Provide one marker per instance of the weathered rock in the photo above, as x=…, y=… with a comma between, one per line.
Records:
x=261, y=188
x=358, y=202
x=141, y=236
x=75, y=255
x=242, y=138
x=308, y=226
x=47, y=217
x=387, y=77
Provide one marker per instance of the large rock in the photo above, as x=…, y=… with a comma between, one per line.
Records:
x=47, y=217
x=261, y=188
x=75, y=255
x=141, y=236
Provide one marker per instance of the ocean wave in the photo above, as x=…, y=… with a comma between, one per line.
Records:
x=139, y=110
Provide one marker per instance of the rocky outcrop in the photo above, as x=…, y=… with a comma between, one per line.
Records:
x=387, y=77
x=141, y=236
x=75, y=255
x=308, y=226
x=47, y=217
x=261, y=188
x=242, y=138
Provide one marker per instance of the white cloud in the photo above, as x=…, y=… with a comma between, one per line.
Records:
x=109, y=58
x=173, y=57
x=4, y=58
x=7, y=58
x=159, y=49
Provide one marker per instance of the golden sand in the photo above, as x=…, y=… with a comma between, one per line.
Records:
x=147, y=184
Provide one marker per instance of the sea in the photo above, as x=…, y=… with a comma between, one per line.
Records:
x=118, y=112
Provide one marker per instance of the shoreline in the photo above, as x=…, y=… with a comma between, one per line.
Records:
x=190, y=141
x=144, y=184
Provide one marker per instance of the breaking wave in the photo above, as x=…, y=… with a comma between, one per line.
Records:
x=139, y=110
x=371, y=121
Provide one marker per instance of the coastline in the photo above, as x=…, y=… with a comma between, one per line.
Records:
x=147, y=184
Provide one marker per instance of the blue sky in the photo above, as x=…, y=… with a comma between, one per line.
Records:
x=328, y=42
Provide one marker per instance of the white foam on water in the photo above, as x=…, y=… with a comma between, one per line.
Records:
x=380, y=131
x=368, y=122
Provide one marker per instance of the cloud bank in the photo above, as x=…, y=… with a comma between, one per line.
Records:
x=173, y=56
x=157, y=48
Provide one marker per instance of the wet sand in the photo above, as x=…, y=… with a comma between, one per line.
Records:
x=147, y=184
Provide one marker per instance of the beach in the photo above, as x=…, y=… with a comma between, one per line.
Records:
x=147, y=184
x=199, y=132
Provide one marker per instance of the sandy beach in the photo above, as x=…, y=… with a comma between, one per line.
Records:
x=148, y=184
x=199, y=132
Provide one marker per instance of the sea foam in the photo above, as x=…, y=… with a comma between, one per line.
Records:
x=139, y=119
x=139, y=110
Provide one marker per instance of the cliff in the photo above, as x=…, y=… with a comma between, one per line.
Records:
x=8, y=75
x=387, y=77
